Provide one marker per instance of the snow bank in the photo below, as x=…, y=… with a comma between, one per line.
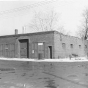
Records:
x=78, y=59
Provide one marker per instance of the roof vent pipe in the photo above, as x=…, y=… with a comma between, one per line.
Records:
x=16, y=31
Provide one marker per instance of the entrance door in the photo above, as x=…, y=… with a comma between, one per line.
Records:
x=50, y=52
x=24, y=49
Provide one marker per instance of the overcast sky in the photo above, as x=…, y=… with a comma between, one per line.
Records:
x=13, y=17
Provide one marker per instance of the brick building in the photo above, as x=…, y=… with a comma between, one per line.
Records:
x=48, y=44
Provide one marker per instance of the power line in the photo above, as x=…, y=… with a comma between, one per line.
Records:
x=26, y=7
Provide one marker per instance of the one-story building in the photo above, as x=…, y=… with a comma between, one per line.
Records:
x=39, y=45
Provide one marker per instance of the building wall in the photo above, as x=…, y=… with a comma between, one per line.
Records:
x=86, y=47
x=47, y=39
x=10, y=46
x=67, y=51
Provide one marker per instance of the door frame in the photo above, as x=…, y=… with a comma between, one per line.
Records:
x=18, y=44
x=50, y=52
x=27, y=47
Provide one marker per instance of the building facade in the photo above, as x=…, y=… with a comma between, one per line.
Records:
x=39, y=45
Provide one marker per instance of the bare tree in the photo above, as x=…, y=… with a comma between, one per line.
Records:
x=84, y=27
x=44, y=21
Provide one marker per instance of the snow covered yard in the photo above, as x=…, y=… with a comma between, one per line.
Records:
x=76, y=59
x=48, y=73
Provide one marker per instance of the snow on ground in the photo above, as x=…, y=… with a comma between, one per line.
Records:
x=77, y=59
x=17, y=74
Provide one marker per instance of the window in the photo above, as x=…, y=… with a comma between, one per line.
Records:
x=12, y=50
x=6, y=46
x=40, y=47
x=71, y=45
x=63, y=45
x=6, y=52
x=85, y=46
x=79, y=46
x=41, y=50
x=0, y=49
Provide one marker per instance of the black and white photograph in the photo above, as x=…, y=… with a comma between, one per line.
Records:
x=43, y=43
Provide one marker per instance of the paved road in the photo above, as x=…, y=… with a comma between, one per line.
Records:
x=17, y=74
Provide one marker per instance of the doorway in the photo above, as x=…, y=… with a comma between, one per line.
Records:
x=24, y=48
x=50, y=52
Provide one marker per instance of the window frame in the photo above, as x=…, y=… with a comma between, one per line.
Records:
x=71, y=46
x=64, y=45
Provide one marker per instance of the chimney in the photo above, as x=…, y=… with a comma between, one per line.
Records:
x=23, y=29
x=16, y=31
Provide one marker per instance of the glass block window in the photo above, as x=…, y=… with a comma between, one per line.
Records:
x=79, y=46
x=64, y=45
x=71, y=45
x=85, y=46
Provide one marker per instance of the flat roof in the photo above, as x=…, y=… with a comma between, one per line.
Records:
x=26, y=34
x=38, y=33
